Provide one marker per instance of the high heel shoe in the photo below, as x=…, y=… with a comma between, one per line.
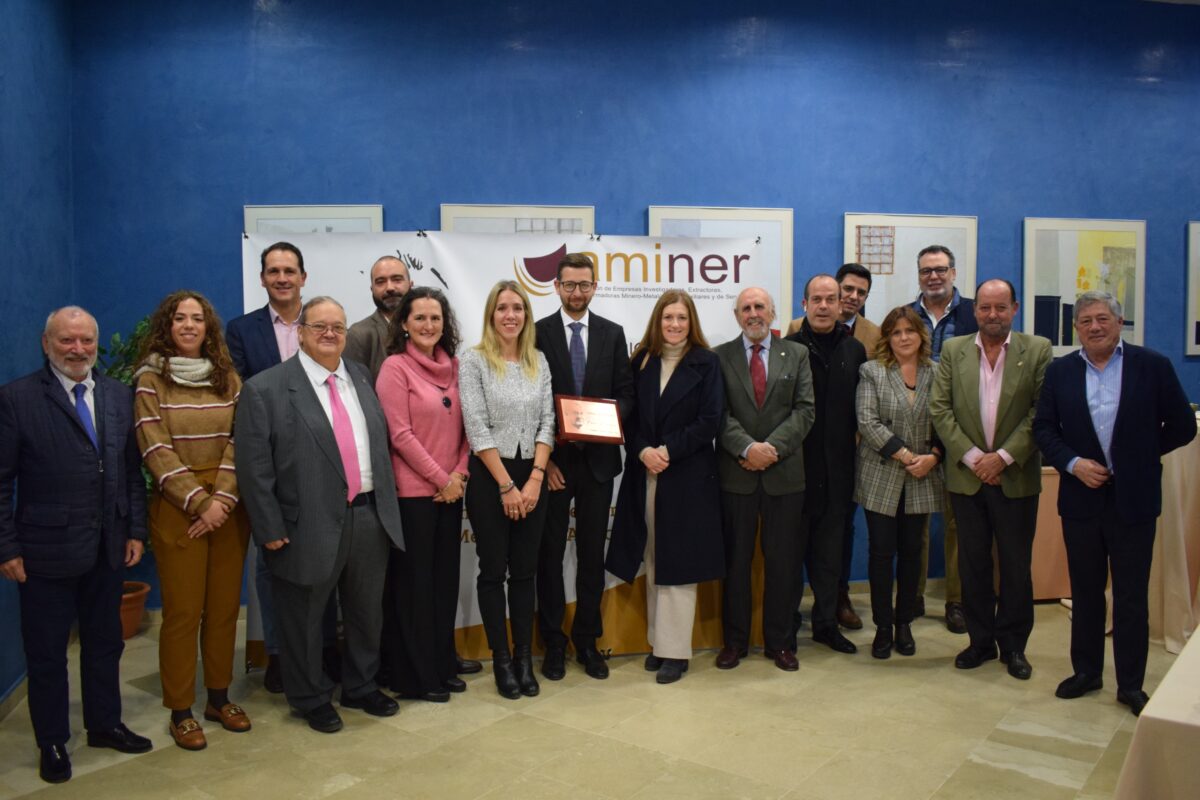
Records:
x=506, y=679
x=882, y=646
x=905, y=645
x=523, y=663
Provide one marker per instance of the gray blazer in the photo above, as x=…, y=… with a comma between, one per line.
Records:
x=508, y=411
x=290, y=473
x=886, y=423
x=783, y=421
x=366, y=342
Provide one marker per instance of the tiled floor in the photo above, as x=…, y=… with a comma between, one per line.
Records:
x=842, y=727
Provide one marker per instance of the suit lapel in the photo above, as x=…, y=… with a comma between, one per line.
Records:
x=1014, y=371
x=597, y=343
x=56, y=395
x=266, y=335
x=777, y=362
x=970, y=367
x=741, y=366
x=1076, y=398
x=681, y=382
x=308, y=408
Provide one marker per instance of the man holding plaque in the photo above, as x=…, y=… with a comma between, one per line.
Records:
x=760, y=460
x=588, y=358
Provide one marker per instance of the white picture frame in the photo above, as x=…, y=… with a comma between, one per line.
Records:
x=772, y=227
x=286, y=219
x=486, y=218
x=1065, y=257
x=1192, y=333
x=888, y=244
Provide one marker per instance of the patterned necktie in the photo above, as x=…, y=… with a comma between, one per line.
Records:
x=758, y=374
x=578, y=357
x=343, y=431
x=85, y=416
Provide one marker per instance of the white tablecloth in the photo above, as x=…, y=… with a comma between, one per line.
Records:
x=1175, y=574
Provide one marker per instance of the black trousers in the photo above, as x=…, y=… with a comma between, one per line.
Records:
x=894, y=540
x=421, y=597
x=1093, y=547
x=358, y=575
x=780, y=516
x=593, y=502
x=847, y=549
x=507, y=551
x=48, y=608
x=984, y=518
x=819, y=552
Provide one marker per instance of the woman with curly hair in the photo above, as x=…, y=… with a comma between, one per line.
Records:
x=186, y=393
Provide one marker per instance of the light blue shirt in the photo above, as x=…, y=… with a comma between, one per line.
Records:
x=1103, y=388
x=762, y=354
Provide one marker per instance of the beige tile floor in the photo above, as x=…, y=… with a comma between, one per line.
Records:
x=842, y=727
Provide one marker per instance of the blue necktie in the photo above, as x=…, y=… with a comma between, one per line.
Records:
x=578, y=357
x=85, y=416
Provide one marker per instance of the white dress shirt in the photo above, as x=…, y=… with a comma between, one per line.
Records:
x=89, y=396
x=583, y=332
x=349, y=396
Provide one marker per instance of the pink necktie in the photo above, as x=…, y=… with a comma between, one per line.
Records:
x=343, y=431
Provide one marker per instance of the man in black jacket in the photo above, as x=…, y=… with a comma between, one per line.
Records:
x=834, y=358
x=587, y=356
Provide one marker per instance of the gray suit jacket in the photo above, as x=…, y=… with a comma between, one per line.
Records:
x=886, y=423
x=366, y=343
x=290, y=473
x=783, y=421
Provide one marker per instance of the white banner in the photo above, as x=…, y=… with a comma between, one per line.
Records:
x=632, y=272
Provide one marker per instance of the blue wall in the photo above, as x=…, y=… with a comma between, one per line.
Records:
x=35, y=206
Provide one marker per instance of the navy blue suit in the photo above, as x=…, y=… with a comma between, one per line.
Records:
x=1112, y=526
x=67, y=511
x=252, y=344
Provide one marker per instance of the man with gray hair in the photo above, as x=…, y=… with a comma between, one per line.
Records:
x=1106, y=416
x=366, y=342
x=316, y=477
x=72, y=517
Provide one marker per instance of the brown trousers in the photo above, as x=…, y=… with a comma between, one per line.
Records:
x=201, y=581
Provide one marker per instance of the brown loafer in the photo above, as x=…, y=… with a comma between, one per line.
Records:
x=188, y=734
x=231, y=716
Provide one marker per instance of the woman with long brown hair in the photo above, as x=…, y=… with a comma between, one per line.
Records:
x=186, y=393
x=668, y=508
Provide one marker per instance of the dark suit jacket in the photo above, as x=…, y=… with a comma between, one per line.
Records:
x=290, y=472
x=784, y=420
x=252, y=344
x=1153, y=418
x=689, y=547
x=607, y=374
x=69, y=502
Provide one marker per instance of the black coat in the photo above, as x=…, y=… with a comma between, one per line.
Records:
x=685, y=418
x=829, y=448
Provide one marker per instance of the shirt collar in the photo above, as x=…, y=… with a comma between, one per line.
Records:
x=566, y=318
x=747, y=344
x=979, y=341
x=68, y=383
x=1117, y=355
x=955, y=297
x=850, y=322
x=278, y=320
x=317, y=373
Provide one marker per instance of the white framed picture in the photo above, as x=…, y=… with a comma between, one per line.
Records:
x=770, y=227
x=460, y=218
x=888, y=244
x=1066, y=257
x=1192, y=342
x=312, y=219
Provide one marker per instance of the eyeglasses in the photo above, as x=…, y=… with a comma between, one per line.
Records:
x=320, y=328
x=571, y=286
x=925, y=272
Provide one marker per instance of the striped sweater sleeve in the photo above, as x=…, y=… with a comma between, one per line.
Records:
x=172, y=477
x=225, y=489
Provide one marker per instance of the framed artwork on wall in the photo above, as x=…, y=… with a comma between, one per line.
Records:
x=888, y=244
x=460, y=218
x=771, y=227
x=1066, y=257
x=312, y=219
x=1192, y=343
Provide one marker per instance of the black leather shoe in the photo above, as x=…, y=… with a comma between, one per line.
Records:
x=1078, y=685
x=378, y=704
x=653, y=663
x=973, y=656
x=523, y=667
x=554, y=664
x=506, y=677
x=331, y=662
x=119, y=738
x=273, y=677
x=905, y=645
x=1136, y=700
x=833, y=638
x=455, y=685
x=784, y=659
x=730, y=657
x=956, y=620
x=55, y=765
x=882, y=646
x=323, y=718
x=593, y=663
x=1018, y=666
x=467, y=666
x=672, y=669
x=442, y=696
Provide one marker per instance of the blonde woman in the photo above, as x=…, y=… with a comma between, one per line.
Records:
x=508, y=413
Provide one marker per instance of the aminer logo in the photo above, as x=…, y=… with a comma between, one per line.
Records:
x=537, y=273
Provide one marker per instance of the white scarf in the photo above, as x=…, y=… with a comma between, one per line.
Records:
x=184, y=371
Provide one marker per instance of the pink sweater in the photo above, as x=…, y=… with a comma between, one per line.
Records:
x=427, y=438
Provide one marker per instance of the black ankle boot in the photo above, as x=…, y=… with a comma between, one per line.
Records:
x=506, y=679
x=905, y=645
x=882, y=646
x=523, y=662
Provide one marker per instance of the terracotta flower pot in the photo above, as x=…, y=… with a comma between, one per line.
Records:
x=133, y=607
